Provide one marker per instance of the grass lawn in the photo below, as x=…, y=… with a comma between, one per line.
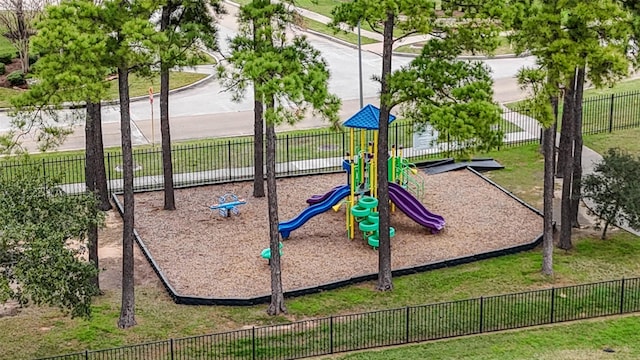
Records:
x=345, y=36
x=138, y=85
x=6, y=46
x=616, y=107
x=503, y=48
x=619, y=88
x=324, y=7
x=5, y=94
x=41, y=331
x=623, y=139
x=523, y=172
x=584, y=340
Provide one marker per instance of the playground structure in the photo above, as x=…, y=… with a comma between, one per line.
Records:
x=361, y=191
x=228, y=203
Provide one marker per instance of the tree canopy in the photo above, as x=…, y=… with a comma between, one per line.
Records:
x=73, y=66
x=454, y=96
x=614, y=187
x=42, y=243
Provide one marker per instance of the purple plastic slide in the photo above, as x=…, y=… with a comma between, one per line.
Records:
x=314, y=199
x=414, y=208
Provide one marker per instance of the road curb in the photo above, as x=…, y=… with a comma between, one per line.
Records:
x=470, y=57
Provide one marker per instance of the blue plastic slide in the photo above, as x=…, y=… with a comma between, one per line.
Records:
x=288, y=226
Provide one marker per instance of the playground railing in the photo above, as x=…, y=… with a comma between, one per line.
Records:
x=415, y=185
x=342, y=333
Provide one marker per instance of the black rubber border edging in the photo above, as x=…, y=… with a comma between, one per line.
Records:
x=193, y=300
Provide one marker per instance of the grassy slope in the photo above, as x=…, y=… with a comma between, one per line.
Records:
x=6, y=46
x=599, y=114
x=345, y=36
x=503, y=48
x=621, y=87
x=624, y=139
x=323, y=7
x=138, y=86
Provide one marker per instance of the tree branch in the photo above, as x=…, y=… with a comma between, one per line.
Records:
x=405, y=36
x=373, y=27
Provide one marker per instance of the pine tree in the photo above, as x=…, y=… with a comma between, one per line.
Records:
x=290, y=78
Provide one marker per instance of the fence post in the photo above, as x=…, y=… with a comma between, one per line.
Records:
x=109, y=188
x=171, y=344
x=287, y=151
x=553, y=303
x=611, y=113
x=44, y=171
x=407, y=310
x=397, y=140
x=229, y=156
x=253, y=343
x=86, y=354
x=331, y=334
x=481, y=314
x=622, y=297
x=541, y=135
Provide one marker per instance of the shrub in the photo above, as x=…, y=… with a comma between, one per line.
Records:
x=16, y=78
x=6, y=57
x=33, y=58
x=2, y=69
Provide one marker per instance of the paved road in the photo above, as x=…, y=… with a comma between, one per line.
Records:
x=208, y=110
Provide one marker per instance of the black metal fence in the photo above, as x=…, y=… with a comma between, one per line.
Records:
x=231, y=159
x=391, y=327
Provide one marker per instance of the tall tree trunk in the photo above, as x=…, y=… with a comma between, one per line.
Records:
x=608, y=222
x=576, y=187
x=100, y=173
x=167, y=164
x=277, y=305
x=548, y=150
x=258, y=125
x=566, y=129
x=258, y=145
x=566, y=154
x=22, y=36
x=91, y=162
x=385, y=281
x=547, y=239
x=127, y=311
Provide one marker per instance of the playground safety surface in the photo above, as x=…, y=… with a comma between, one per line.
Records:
x=204, y=255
